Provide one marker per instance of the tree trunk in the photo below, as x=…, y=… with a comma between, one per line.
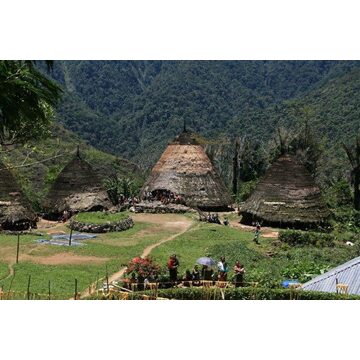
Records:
x=235, y=167
x=357, y=189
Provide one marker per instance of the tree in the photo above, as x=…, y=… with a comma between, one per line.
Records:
x=353, y=154
x=27, y=98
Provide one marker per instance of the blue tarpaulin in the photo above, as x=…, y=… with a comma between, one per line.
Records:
x=63, y=240
x=286, y=283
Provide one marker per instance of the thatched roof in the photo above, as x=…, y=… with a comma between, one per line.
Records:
x=185, y=169
x=15, y=210
x=286, y=196
x=77, y=188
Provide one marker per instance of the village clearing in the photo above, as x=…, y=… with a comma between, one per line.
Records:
x=156, y=235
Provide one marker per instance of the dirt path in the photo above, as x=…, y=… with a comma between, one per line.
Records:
x=266, y=232
x=167, y=221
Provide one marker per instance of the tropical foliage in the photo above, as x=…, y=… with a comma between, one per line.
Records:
x=27, y=98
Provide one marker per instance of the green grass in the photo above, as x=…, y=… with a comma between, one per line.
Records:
x=4, y=271
x=268, y=263
x=116, y=248
x=101, y=217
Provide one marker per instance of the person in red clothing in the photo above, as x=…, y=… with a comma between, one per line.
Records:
x=239, y=271
x=173, y=265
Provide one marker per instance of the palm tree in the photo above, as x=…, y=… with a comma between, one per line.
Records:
x=27, y=98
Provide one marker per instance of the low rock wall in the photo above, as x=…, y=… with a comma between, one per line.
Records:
x=102, y=228
x=159, y=208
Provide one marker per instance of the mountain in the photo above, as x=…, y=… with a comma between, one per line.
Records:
x=133, y=108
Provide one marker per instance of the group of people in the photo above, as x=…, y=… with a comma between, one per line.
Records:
x=130, y=201
x=165, y=196
x=195, y=276
x=213, y=218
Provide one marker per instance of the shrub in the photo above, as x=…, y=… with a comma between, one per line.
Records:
x=143, y=267
x=301, y=238
x=246, y=293
x=246, y=189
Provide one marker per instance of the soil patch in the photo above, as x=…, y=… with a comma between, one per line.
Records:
x=64, y=259
x=266, y=232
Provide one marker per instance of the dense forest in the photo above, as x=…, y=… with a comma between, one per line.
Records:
x=133, y=108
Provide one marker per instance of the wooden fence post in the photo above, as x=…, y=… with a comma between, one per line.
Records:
x=75, y=293
x=11, y=281
x=28, y=288
x=70, y=237
x=107, y=280
x=97, y=281
x=18, y=248
x=49, y=288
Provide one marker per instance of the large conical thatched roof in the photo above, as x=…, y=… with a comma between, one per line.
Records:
x=15, y=211
x=286, y=196
x=185, y=169
x=77, y=188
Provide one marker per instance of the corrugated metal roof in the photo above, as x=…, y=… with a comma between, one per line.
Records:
x=348, y=273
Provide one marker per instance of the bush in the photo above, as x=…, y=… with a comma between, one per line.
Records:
x=346, y=219
x=339, y=194
x=301, y=238
x=246, y=189
x=246, y=293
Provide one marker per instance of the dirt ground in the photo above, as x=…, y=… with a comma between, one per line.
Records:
x=266, y=232
x=64, y=259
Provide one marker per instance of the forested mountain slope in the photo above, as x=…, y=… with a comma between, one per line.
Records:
x=133, y=108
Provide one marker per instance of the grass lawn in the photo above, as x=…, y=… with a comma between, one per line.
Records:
x=113, y=249
x=268, y=263
x=4, y=271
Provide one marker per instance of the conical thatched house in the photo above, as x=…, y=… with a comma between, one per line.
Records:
x=15, y=211
x=76, y=189
x=286, y=196
x=185, y=170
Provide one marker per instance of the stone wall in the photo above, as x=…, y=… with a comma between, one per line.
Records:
x=156, y=207
x=102, y=228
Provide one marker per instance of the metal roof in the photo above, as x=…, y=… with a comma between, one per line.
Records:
x=348, y=273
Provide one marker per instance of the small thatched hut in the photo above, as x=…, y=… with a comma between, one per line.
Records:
x=286, y=196
x=76, y=189
x=185, y=170
x=15, y=210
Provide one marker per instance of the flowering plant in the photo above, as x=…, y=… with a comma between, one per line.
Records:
x=143, y=267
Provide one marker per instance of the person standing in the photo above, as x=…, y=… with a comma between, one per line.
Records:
x=173, y=265
x=223, y=269
x=257, y=233
x=239, y=271
x=196, y=276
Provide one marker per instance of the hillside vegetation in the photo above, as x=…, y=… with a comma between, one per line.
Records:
x=133, y=108
x=37, y=165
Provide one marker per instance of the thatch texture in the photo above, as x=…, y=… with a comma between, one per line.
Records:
x=77, y=188
x=185, y=169
x=15, y=210
x=286, y=196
